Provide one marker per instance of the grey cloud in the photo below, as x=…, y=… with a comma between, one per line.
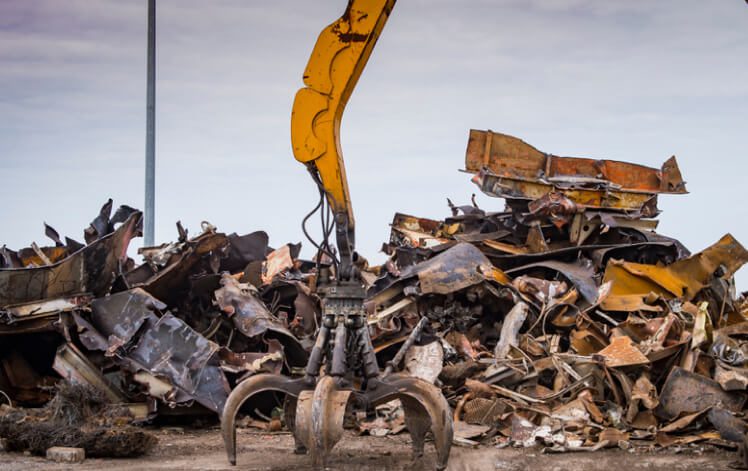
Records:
x=636, y=80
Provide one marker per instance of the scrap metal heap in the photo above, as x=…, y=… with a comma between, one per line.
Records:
x=197, y=316
x=564, y=321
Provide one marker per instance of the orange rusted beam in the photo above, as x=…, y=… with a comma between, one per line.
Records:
x=506, y=156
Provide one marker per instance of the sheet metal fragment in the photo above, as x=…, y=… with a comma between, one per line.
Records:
x=128, y=327
x=90, y=270
x=689, y=392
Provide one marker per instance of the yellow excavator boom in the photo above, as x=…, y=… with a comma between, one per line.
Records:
x=317, y=403
x=336, y=63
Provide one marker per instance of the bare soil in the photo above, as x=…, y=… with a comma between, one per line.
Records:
x=203, y=450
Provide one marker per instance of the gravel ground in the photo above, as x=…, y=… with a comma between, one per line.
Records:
x=203, y=450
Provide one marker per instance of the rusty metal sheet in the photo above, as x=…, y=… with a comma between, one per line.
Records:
x=90, y=270
x=682, y=279
x=612, y=199
x=580, y=274
x=277, y=261
x=628, y=303
x=481, y=236
x=30, y=257
x=270, y=361
x=72, y=364
x=621, y=352
x=511, y=325
x=425, y=361
x=31, y=326
x=172, y=282
x=418, y=232
x=128, y=326
x=170, y=348
x=452, y=270
x=246, y=310
x=37, y=309
x=508, y=156
x=245, y=249
x=306, y=310
x=104, y=223
x=416, y=224
x=119, y=317
x=416, y=239
x=252, y=318
x=651, y=252
x=555, y=207
x=507, y=248
x=586, y=341
x=729, y=426
x=689, y=392
x=50, y=232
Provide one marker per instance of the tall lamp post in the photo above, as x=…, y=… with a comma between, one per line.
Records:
x=150, y=140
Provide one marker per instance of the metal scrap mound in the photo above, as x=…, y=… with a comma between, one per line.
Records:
x=563, y=320
x=175, y=332
x=77, y=416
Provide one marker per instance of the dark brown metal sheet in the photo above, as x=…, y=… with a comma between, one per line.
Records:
x=91, y=269
x=687, y=392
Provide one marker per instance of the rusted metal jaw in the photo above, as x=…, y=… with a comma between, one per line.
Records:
x=292, y=388
x=425, y=408
x=316, y=405
x=320, y=414
x=316, y=416
x=319, y=418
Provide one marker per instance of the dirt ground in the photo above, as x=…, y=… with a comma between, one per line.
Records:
x=203, y=450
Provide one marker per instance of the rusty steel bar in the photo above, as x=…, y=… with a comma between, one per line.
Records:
x=414, y=334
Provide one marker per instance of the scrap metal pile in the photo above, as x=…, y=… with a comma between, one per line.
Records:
x=181, y=328
x=564, y=321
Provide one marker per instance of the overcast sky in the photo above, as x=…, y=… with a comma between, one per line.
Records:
x=636, y=81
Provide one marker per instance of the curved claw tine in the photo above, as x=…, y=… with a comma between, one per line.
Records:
x=419, y=397
x=319, y=418
x=418, y=423
x=242, y=392
x=290, y=404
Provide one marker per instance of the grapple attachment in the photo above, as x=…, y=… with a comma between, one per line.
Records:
x=316, y=405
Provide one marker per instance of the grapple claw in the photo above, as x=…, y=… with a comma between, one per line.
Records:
x=425, y=407
x=242, y=392
x=289, y=417
x=319, y=418
x=315, y=416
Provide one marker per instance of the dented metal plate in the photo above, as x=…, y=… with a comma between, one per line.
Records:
x=89, y=270
x=687, y=392
x=508, y=156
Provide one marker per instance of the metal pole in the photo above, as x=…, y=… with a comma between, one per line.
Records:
x=150, y=140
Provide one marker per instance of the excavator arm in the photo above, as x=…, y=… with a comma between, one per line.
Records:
x=316, y=404
x=339, y=56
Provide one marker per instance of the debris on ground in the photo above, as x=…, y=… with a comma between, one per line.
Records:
x=62, y=454
x=562, y=321
x=77, y=422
